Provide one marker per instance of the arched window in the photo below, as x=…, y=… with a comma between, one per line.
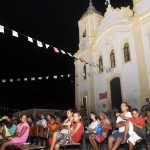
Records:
x=112, y=59
x=84, y=33
x=126, y=52
x=100, y=64
x=84, y=72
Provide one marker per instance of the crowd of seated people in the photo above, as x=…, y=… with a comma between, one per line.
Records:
x=129, y=127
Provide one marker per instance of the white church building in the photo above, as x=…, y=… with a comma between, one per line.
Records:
x=114, y=52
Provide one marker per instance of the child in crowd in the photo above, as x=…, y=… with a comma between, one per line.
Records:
x=106, y=126
x=74, y=134
x=22, y=133
x=134, y=126
x=52, y=126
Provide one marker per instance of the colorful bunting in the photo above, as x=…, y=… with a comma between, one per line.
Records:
x=56, y=50
x=30, y=39
x=47, y=46
x=63, y=52
x=1, y=29
x=41, y=44
x=55, y=77
x=14, y=33
x=47, y=77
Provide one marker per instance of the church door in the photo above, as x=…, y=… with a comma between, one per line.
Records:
x=116, y=98
x=84, y=102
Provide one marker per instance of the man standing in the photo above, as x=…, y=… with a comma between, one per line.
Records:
x=115, y=139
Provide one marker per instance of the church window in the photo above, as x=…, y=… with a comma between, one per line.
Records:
x=126, y=52
x=100, y=64
x=84, y=33
x=84, y=72
x=112, y=59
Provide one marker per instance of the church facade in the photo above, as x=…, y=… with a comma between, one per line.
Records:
x=114, y=63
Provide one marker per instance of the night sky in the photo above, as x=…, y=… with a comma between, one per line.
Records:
x=54, y=22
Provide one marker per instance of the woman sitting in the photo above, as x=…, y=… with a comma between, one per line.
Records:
x=74, y=134
x=21, y=136
x=64, y=126
x=91, y=128
x=106, y=126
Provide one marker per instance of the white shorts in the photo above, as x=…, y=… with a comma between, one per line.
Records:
x=134, y=138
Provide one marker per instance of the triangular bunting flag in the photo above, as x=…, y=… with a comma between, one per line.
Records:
x=14, y=33
x=4, y=80
x=81, y=59
x=30, y=39
x=47, y=77
x=11, y=80
x=47, y=46
x=39, y=78
x=25, y=79
x=55, y=77
x=68, y=75
x=75, y=58
x=94, y=65
x=18, y=79
x=63, y=52
x=39, y=44
x=62, y=76
x=85, y=61
x=33, y=79
x=56, y=50
x=70, y=54
x=1, y=29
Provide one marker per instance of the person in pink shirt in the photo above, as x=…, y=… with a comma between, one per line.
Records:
x=21, y=134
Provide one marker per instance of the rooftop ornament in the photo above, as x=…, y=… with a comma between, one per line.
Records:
x=107, y=2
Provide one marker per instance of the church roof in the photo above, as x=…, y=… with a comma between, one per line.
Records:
x=91, y=9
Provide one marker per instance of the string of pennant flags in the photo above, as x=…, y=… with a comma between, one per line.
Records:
x=12, y=80
x=8, y=109
x=47, y=46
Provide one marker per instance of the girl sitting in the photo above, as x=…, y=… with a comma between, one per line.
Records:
x=22, y=133
x=74, y=134
x=106, y=126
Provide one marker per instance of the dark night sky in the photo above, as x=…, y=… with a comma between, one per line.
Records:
x=54, y=22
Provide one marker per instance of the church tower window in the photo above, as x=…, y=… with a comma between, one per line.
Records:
x=126, y=52
x=100, y=64
x=84, y=34
x=84, y=72
x=112, y=59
